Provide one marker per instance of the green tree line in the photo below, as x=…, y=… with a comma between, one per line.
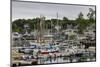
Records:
x=18, y=25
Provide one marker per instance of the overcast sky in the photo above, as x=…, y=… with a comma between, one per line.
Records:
x=28, y=10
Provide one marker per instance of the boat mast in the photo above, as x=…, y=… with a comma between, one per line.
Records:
x=57, y=26
x=57, y=19
x=42, y=21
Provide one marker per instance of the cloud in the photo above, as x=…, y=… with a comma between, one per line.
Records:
x=30, y=10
